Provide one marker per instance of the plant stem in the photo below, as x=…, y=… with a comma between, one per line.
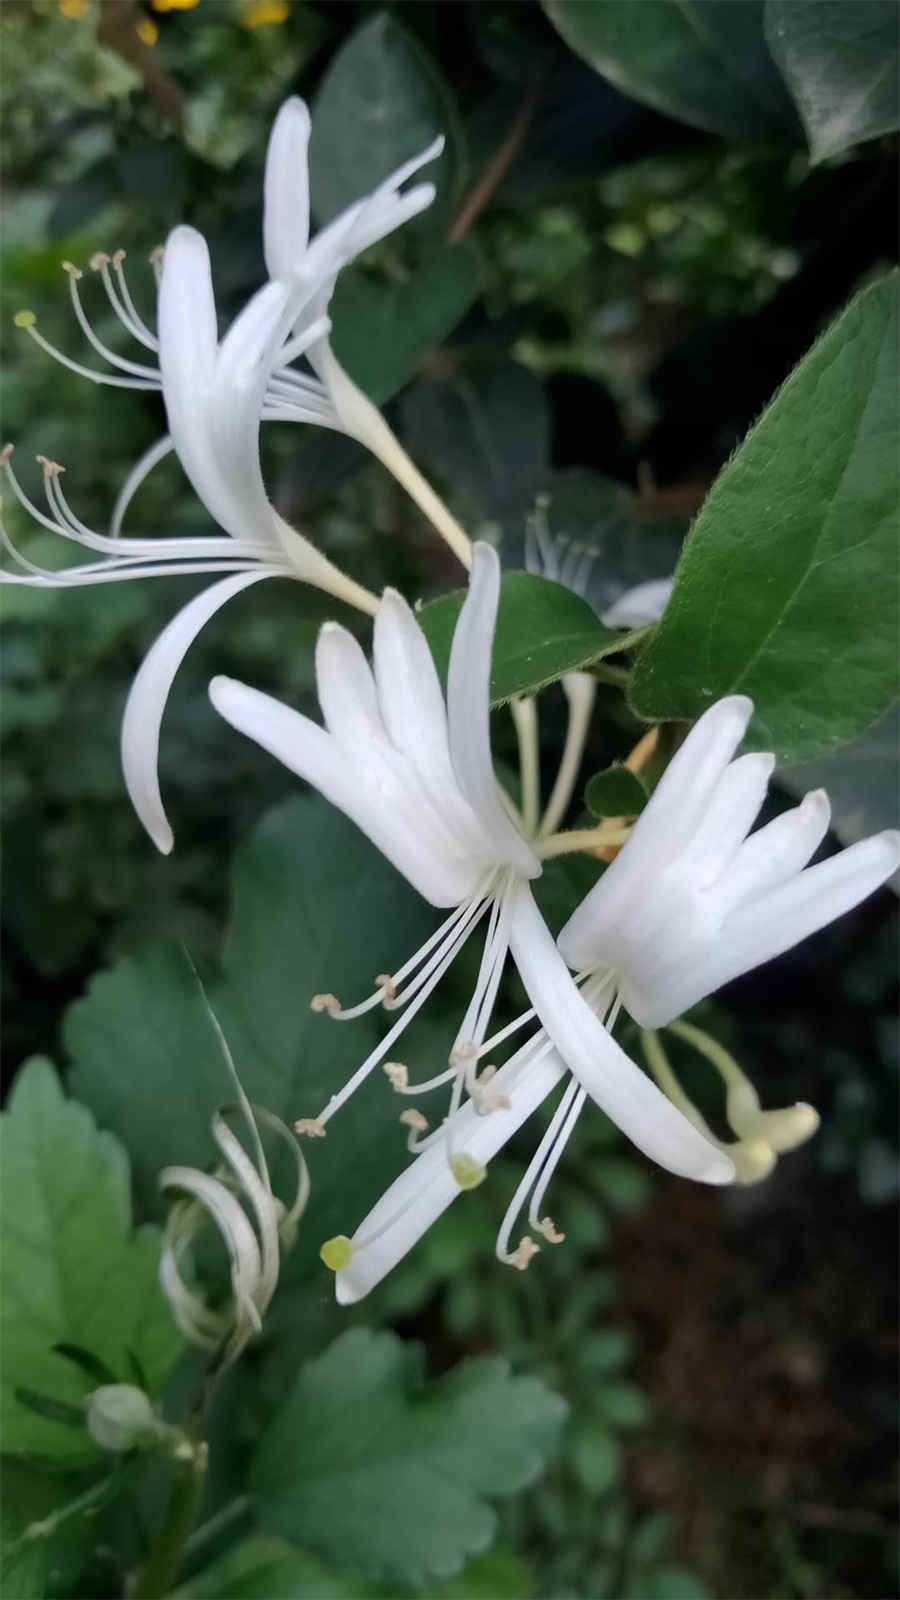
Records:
x=165, y=1557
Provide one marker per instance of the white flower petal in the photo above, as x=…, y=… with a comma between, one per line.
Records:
x=149, y=693
x=731, y=813
x=362, y=783
x=665, y=827
x=776, y=852
x=418, y=1197
x=286, y=191
x=468, y=710
x=610, y=1077
x=346, y=688
x=638, y=607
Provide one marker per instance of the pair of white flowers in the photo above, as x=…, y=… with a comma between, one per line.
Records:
x=692, y=900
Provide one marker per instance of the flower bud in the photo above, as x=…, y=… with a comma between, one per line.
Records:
x=120, y=1417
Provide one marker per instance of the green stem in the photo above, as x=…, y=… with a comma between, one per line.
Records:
x=165, y=1557
x=620, y=676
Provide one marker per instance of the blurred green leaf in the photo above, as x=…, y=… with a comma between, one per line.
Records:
x=862, y=780
x=615, y=792
x=381, y=102
x=315, y=908
x=261, y=1567
x=498, y=1573
x=367, y=1464
x=484, y=433
x=543, y=630
x=842, y=64
x=786, y=590
x=381, y=330
x=703, y=61
x=596, y=1457
x=667, y=1583
x=622, y=1404
x=72, y=1269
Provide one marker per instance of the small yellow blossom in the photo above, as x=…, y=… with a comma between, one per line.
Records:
x=263, y=13
x=175, y=5
x=147, y=31
x=73, y=9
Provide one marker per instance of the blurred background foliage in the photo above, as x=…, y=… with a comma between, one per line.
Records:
x=610, y=285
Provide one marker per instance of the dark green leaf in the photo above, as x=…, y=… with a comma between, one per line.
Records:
x=786, y=590
x=73, y=1272
x=43, y=1405
x=703, y=61
x=382, y=330
x=622, y=1404
x=380, y=102
x=484, y=433
x=617, y=792
x=315, y=908
x=543, y=631
x=369, y=1466
x=596, y=1457
x=90, y=1363
x=841, y=62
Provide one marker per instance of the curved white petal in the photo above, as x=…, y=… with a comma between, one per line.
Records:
x=638, y=607
x=346, y=688
x=731, y=813
x=468, y=710
x=610, y=1077
x=286, y=191
x=148, y=695
x=365, y=784
x=776, y=852
x=672, y=816
x=418, y=1197
x=141, y=469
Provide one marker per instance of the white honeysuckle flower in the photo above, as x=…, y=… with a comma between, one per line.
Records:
x=254, y=1247
x=640, y=606
x=694, y=899
x=291, y=258
x=417, y=777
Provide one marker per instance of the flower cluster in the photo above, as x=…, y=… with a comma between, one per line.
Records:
x=691, y=899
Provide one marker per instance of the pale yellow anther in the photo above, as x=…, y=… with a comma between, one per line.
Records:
x=25, y=319
x=386, y=984
x=156, y=255
x=486, y=1074
x=72, y=270
x=51, y=469
x=397, y=1073
x=325, y=1002
x=118, y=256
x=5, y=454
x=99, y=259
x=520, y=1257
x=550, y=1232
x=310, y=1126
x=415, y=1120
x=337, y=1253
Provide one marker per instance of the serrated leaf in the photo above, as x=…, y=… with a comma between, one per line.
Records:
x=72, y=1270
x=841, y=62
x=315, y=908
x=381, y=102
x=543, y=631
x=787, y=587
x=703, y=61
x=370, y=1466
x=382, y=330
x=615, y=792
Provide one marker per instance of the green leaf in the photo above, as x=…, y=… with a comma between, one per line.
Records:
x=622, y=1404
x=703, y=61
x=840, y=60
x=72, y=1270
x=786, y=590
x=370, y=1466
x=315, y=908
x=670, y=1583
x=596, y=1457
x=543, y=631
x=484, y=433
x=862, y=780
x=381, y=102
x=615, y=792
x=381, y=330
x=260, y=1567
x=498, y=1573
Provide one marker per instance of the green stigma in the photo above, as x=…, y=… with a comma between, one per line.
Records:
x=24, y=319
x=468, y=1172
x=337, y=1253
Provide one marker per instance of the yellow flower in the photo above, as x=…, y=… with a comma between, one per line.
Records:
x=175, y=5
x=262, y=13
x=147, y=31
x=74, y=8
